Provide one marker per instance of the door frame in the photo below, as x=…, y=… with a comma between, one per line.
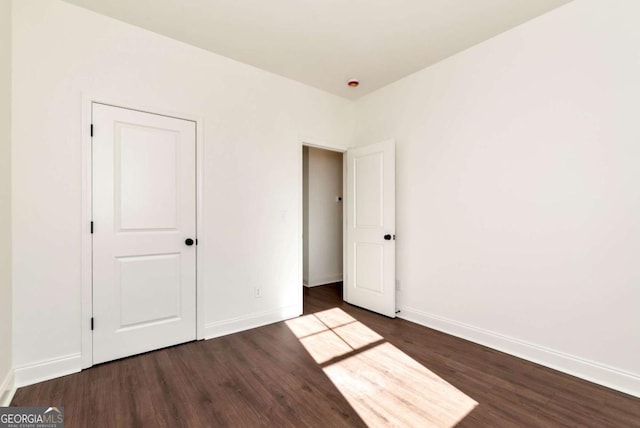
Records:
x=86, y=213
x=318, y=144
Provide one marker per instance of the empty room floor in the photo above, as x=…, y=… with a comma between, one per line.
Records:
x=337, y=365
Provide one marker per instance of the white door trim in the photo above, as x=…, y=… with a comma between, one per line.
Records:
x=86, y=214
x=312, y=142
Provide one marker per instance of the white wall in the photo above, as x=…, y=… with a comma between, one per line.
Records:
x=253, y=123
x=323, y=216
x=518, y=190
x=5, y=198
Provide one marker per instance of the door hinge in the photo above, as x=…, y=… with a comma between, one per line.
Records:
x=91, y=227
x=91, y=323
x=196, y=241
x=394, y=237
x=91, y=131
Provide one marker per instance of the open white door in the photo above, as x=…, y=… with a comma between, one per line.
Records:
x=371, y=249
x=144, y=218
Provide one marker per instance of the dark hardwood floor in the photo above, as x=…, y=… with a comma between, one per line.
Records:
x=278, y=376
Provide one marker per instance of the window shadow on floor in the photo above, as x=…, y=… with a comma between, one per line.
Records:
x=384, y=385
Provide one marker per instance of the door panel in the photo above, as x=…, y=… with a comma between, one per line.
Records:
x=370, y=279
x=140, y=277
x=147, y=200
x=369, y=262
x=368, y=193
x=144, y=207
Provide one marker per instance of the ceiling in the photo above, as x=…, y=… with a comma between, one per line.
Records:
x=324, y=43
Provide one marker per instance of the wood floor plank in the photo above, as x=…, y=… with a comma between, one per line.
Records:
x=267, y=377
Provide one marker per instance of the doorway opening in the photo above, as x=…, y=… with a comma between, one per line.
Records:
x=366, y=208
x=322, y=216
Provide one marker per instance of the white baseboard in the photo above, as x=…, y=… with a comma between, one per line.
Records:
x=234, y=325
x=601, y=374
x=7, y=389
x=48, y=369
x=322, y=281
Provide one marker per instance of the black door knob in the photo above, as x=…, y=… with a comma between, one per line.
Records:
x=387, y=237
x=188, y=242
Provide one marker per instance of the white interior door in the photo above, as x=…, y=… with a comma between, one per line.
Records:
x=371, y=249
x=144, y=213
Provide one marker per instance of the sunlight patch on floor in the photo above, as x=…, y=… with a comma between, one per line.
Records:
x=331, y=334
x=384, y=385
